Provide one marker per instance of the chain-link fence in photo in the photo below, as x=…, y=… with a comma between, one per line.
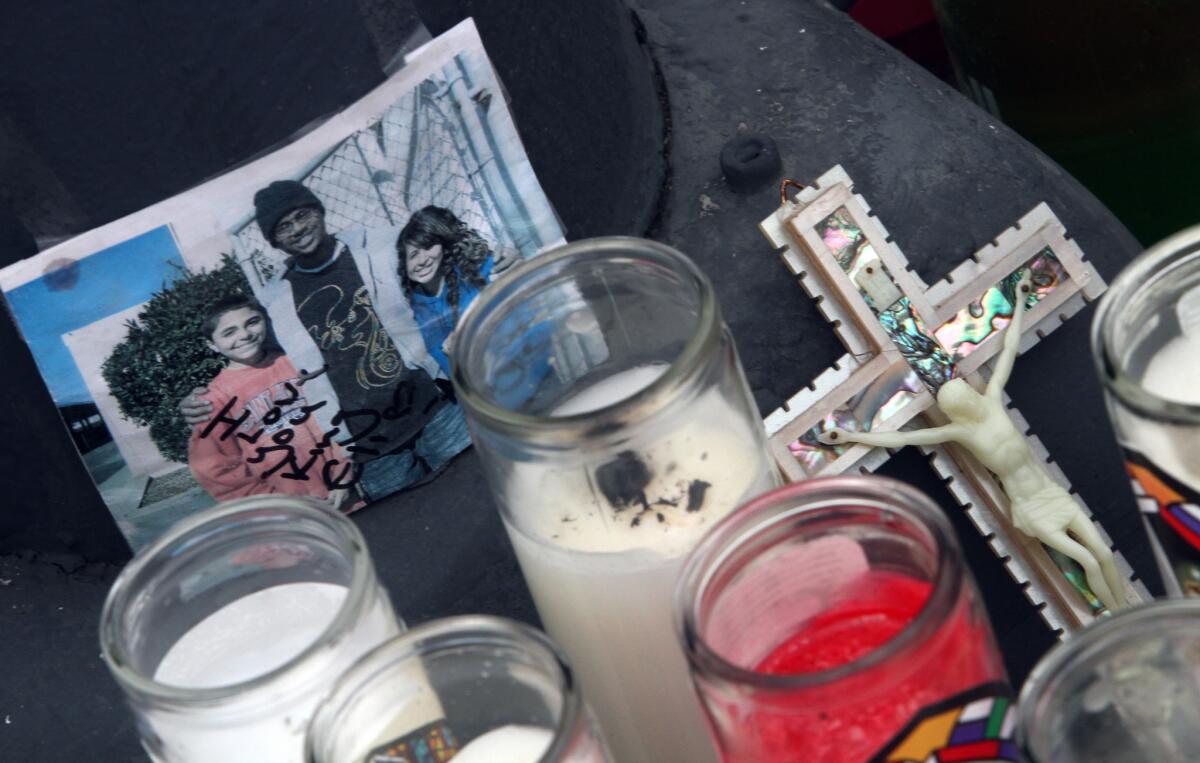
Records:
x=434, y=146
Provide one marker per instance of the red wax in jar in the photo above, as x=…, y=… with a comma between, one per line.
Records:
x=849, y=720
x=866, y=619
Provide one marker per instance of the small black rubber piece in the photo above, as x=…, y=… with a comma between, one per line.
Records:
x=750, y=161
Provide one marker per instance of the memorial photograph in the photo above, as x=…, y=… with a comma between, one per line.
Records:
x=285, y=328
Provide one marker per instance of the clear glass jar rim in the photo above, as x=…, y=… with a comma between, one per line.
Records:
x=206, y=523
x=447, y=634
x=1163, y=618
x=814, y=497
x=526, y=279
x=1137, y=275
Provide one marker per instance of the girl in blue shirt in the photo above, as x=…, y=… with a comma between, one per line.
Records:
x=444, y=264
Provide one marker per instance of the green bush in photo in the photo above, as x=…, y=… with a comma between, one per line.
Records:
x=163, y=357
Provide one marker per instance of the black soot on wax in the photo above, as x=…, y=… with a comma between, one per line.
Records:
x=623, y=480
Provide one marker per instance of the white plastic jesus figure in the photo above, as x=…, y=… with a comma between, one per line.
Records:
x=1039, y=506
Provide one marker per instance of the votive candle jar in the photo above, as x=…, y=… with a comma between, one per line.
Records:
x=1125, y=689
x=225, y=632
x=471, y=688
x=615, y=425
x=833, y=621
x=1146, y=343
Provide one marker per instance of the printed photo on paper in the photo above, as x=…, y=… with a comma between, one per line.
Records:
x=285, y=328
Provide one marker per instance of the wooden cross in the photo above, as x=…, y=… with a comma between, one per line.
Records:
x=904, y=339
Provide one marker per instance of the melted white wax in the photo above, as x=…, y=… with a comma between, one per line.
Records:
x=251, y=636
x=611, y=390
x=1174, y=371
x=507, y=744
x=603, y=583
x=1174, y=374
x=248, y=638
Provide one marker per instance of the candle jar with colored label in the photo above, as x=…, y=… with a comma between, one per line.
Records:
x=476, y=689
x=226, y=631
x=833, y=621
x=1125, y=689
x=1146, y=342
x=614, y=424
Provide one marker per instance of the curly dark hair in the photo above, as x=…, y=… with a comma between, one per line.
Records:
x=464, y=251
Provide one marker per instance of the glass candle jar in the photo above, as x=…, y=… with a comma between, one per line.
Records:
x=225, y=631
x=1146, y=342
x=478, y=689
x=615, y=425
x=1125, y=689
x=833, y=621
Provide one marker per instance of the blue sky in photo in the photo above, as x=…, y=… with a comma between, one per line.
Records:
x=108, y=282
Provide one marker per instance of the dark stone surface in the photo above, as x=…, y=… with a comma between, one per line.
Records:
x=128, y=103
x=942, y=177
x=57, y=700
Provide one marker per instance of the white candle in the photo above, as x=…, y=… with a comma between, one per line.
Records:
x=611, y=390
x=603, y=577
x=1174, y=371
x=1174, y=374
x=251, y=637
x=507, y=744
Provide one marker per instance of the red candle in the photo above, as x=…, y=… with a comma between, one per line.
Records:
x=833, y=622
x=876, y=609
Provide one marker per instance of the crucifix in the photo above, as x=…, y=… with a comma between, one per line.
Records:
x=906, y=341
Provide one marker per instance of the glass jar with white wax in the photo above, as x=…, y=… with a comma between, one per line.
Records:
x=473, y=688
x=1125, y=689
x=226, y=632
x=1146, y=343
x=615, y=426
